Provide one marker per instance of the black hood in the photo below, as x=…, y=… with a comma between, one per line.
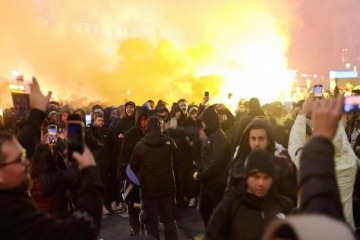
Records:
x=155, y=139
x=257, y=123
x=140, y=111
x=107, y=113
x=211, y=120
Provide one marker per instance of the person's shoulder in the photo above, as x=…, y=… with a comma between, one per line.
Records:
x=285, y=203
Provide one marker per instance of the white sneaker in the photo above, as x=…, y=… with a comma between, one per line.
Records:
x=105, y=211
x=192, y=202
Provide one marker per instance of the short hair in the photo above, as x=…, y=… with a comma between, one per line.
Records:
x=150, y=101
x=4, y=137
x=181, y=100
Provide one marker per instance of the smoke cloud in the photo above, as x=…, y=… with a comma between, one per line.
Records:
x=113, y=50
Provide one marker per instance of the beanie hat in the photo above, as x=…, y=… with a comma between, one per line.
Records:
x=99, y=110
x=95, y=107
x=52, y=113
x=193, y=109
x=130, y=103
x=260, y=161
x=153, y=124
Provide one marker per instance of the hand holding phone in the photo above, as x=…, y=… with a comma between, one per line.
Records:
x=86, y=159
x=318, y=91
x=75, y=138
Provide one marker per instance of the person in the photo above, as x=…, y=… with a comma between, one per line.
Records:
x=19, y=217
x=213, y=170
x=183, y=105
x=246, y=213
x=131, y=138
x=50, y=184
x=255, y=110
x=96, y=138
x=191, y=130
x=176, y=131
x=258, y=135
x=345, y=158
x=152, y=160
x=321, y=215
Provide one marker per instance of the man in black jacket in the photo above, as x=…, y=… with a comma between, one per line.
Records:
x=152, y=161
x=259, y=135
x=246, y=212
x=213, y=169
x=131, y=138
x=19, y=217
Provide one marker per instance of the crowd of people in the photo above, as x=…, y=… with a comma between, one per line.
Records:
x=243, y=171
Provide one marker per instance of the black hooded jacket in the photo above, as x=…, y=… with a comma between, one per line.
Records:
x=284, y=178
x=131, y=138
x=215, y=153
x=242, y=215
x=152, y=161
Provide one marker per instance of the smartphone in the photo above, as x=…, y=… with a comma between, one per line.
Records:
x=52, y=129
x=318, y=91
x=51, y=139
x=88, y=120
x=207, y=94
x=352, y=104
x=75, y=137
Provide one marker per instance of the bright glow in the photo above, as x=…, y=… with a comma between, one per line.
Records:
x=256, y=65
x=15, y=73
x=17, y=87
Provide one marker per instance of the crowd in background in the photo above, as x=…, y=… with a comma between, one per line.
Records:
x=206, y=156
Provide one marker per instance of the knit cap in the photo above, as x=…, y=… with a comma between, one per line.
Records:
x=260, y=161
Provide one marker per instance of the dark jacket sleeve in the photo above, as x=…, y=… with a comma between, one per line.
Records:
x=127, y=148
x=135, y=158
x=85, y=222
x=214, y=159
x=91, y=141
x=320, y=193
x=29, y=133
x=287, y=185
x=230, y=119
x=219, y=226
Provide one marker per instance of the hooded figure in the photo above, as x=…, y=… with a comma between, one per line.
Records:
x=152, y=161
x=254, y=111
x=213, y=169
x=131, y=138
x=247, y=211
x=284, y=176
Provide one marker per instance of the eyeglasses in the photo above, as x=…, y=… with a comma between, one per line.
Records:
x=20, y=159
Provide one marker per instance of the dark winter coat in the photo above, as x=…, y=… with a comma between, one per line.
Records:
x=131, y=138
x=152, y=160
x=215, y=154
x=285, y=181
x=243, y=216
x=19, y=217
x=50, y=191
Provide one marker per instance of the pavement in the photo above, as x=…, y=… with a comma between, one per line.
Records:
x=189, y=223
